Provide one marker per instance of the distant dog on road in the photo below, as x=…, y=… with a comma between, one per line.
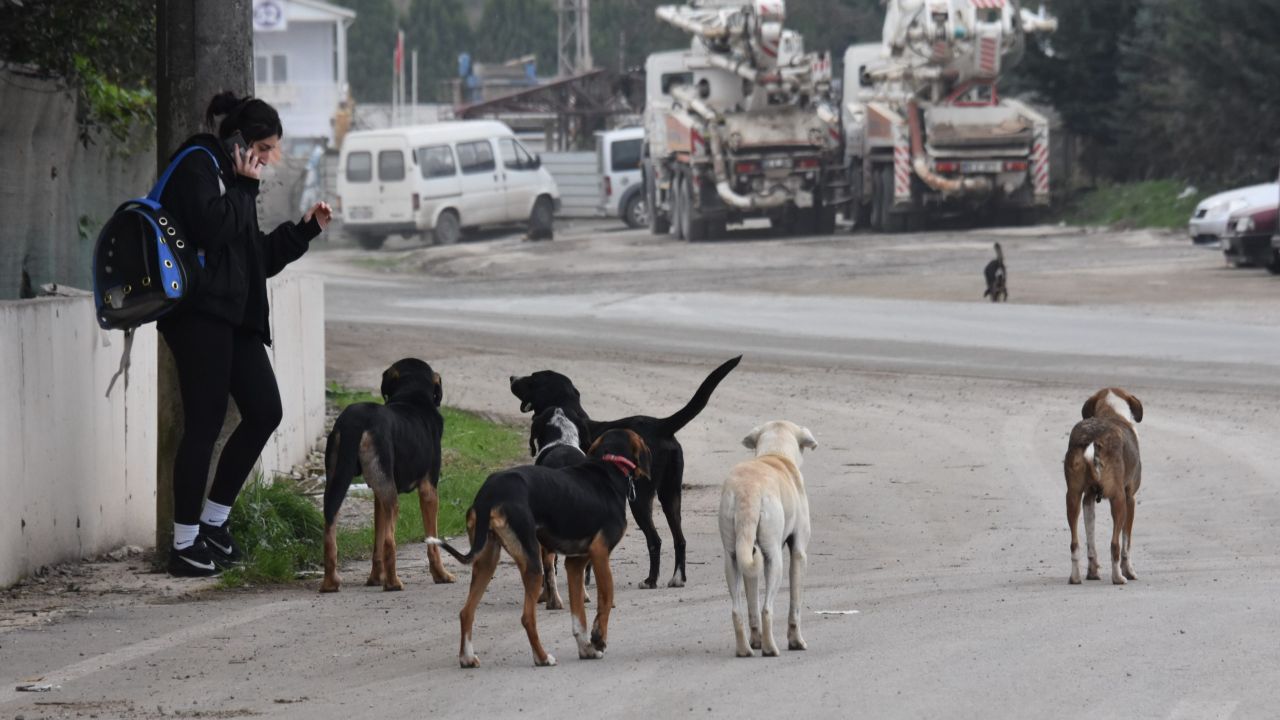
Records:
x=1103, y=462
x=997, y=278
x=762, y=506
x=396, y=448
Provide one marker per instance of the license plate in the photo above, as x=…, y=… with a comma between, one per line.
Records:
x=360, y=213
x=981, y=166
x=777, y=163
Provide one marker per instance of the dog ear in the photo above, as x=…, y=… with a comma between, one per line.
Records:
x=1087, y=411
x=439, y=388
x=1135, y=406
x=807, y=440
x=749, y=442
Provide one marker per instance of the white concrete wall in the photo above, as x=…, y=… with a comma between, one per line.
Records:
x=77, y=469
x=297, y=355
x=309, y=97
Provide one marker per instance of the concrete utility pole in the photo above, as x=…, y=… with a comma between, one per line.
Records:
x=202, y=48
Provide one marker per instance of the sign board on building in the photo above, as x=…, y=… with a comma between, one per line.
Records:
x=270, y=16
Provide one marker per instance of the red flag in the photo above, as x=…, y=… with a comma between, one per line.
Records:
x=399, y=59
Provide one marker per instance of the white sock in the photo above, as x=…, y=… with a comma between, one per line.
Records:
x=214, y=514
x=184, y=535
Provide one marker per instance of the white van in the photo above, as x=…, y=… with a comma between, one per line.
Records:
x=435, y=180
x=621, y=183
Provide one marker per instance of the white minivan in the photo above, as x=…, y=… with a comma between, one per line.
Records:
x=621, y=183
x=434, y=180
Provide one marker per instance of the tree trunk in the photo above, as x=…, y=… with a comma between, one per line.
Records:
x=202, y=49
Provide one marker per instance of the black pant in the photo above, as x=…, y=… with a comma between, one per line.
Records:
x=216, y=361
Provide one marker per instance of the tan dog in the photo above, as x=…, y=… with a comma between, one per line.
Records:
x=1103, y=462
x=763, y=505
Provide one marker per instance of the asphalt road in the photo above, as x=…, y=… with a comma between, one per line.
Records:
x=938, y=566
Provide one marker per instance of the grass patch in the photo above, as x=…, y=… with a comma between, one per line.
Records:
x=1148, y=204
x=281, y=531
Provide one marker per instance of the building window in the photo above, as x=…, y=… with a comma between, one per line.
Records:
x=270, y=69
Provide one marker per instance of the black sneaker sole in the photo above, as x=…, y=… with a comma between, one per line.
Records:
x=182, y=567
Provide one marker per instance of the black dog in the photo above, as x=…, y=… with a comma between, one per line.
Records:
x=545, y=389
x=997, y=278
x=396, y=448
x=578, y=511
x=554, y=443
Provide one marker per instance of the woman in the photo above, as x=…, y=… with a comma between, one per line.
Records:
x=219, y=339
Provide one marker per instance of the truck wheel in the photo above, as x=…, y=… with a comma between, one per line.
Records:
x=542, y=219
x=370, y=242
x=659, y=224
x=692, y=228
x=1273, y=266
x=892, y=222
x=448, y=228
x=716, y=228
x=677, y=207
x=826, y=221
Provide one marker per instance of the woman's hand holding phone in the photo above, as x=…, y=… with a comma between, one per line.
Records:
x=247, y=163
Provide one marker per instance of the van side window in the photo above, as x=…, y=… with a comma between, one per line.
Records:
x=390, y=165
x=359, y=167
x=625, y=155
x=476, y=157
x=514, y=156
x=437, y=161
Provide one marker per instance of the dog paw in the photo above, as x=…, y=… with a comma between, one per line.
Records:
x=555, y=604
x=597, y=642
x=648, y=584
x=1093, y=576
x=769, y=652
x=1074, y=580
x=676, y=582
x=393, y=586
x=745, y=652
x=588, y=652
x=373, y=580
x=467, y=662
x=330, y=586
x=548, y=661
x=1118, y=580
x=797, y=644
x=755, y=643
x=443, y=578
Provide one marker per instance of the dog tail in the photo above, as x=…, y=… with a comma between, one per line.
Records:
x=673, y=424
x=477, y=528
x=341, y=463
x=1093, y=465
x=748, y=526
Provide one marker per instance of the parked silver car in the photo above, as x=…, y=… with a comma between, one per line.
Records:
x=1208, y=224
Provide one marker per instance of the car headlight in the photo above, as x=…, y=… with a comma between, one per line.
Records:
x=1245, y=225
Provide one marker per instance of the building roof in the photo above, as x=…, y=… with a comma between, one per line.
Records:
x=313, y=10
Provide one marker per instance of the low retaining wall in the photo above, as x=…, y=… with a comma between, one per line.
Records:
x=78, y=469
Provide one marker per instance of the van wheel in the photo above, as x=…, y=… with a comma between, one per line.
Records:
x=448, y=228
x=370, y=242
x=1273, y=266
x=542, y=219
x=636, y=213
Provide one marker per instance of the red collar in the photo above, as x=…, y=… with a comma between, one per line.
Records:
x=623, y=464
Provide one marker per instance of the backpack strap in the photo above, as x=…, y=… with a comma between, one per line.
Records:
x=154, y=196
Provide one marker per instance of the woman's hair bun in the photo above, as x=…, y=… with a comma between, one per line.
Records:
x=222, y=103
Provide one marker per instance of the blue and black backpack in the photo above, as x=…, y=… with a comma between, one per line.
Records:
x=144, y=265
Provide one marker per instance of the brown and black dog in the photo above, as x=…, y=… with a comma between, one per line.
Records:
x=1103, y=462
x=396, y=448
x=578, y=511
x=546, y=389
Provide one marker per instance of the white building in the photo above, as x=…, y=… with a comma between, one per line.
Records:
x=300, y=63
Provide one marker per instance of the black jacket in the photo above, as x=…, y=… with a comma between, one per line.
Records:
x=218, y=209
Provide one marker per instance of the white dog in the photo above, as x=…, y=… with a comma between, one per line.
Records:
x=763, y=505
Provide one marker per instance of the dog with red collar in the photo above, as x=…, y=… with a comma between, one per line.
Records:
x=579, y=512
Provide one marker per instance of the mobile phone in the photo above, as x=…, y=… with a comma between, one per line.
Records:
x=235, y=141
